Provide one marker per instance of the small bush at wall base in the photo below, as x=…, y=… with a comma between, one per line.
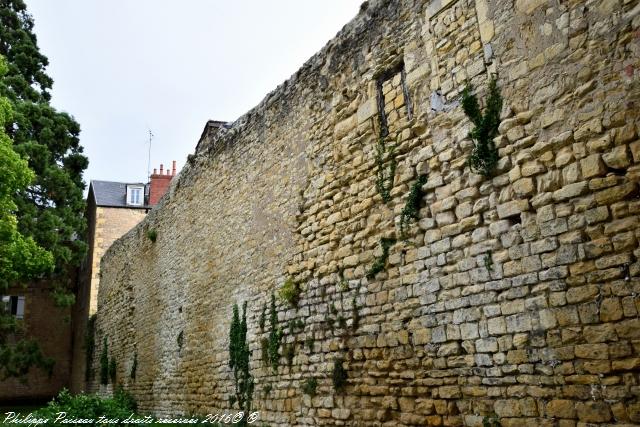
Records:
x=309, y=386
x=290, y=292
x=104, y=363
x=152, y=235
x=339, y=375
x=88, y=406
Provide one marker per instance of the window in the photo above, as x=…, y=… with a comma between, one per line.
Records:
x=135, y=195
x=13, y=305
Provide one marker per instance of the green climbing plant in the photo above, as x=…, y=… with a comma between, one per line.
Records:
x=90, y=347
x=239, y=355
x=113, y=368
x=484, y=156
x=104, y=363
x=290, y=292
x=134, y=367
x=380, y=263
x=275, y=335
x=411, y=209
x=339, y=375
x=309, y=386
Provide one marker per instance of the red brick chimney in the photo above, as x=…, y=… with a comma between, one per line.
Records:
x=159, y=183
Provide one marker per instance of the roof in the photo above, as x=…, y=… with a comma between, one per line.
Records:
x=113, y=194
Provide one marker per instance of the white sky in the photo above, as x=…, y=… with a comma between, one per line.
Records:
x=121, y=67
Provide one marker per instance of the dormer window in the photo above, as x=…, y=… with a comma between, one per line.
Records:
x=135, y=195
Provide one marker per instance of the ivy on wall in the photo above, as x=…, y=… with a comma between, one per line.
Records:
x=90, y=347
x=380, y=263
x=275, y=335
x=484, y=156
x=239, y=354
x=411, y=208
x=104, y=363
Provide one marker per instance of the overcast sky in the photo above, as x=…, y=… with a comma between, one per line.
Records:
x=122, y=67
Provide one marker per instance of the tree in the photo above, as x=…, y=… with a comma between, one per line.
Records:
x=20, y=256
x=51, y=209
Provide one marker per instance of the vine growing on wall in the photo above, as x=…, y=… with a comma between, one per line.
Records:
x=239, y=354
x=275, y=335
x=484, y=156
x=134, y=366
x=90, y=347
x=104, y=363
x=412, y=206
x=380, y=263
x=112, y=370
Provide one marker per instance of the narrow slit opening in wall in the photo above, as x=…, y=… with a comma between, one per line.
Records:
x=383, y=77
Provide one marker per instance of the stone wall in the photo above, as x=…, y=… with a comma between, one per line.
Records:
x=512, y=297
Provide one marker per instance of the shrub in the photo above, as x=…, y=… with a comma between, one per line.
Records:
x=290, y=292
x=89, y=406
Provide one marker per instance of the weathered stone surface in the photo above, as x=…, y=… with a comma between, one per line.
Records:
x=513, y=294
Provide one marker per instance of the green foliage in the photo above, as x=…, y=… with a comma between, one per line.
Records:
x=152, y=235
x=491, y=421
x=385, y=174
x=275, y=335
x=62, y=297
x=380, y=263
x=355, y=320
x=309, y=386
x=180, y=340
x=289, y=352
x=484, y=156
x=41, y=201
x=51, y=210
x=113, y=369
x=264, y=350
x=309, y=343
x=89, y=406
x=104, y=363
x=267, y=390
x=239, y=355
x=134, y=367
x=339, y=375
x=90, y=347
x=412, y=206
x=263, y=317
x=289, y=292
x=488, y=261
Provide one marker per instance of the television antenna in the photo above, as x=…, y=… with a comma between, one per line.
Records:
x=149, y=157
